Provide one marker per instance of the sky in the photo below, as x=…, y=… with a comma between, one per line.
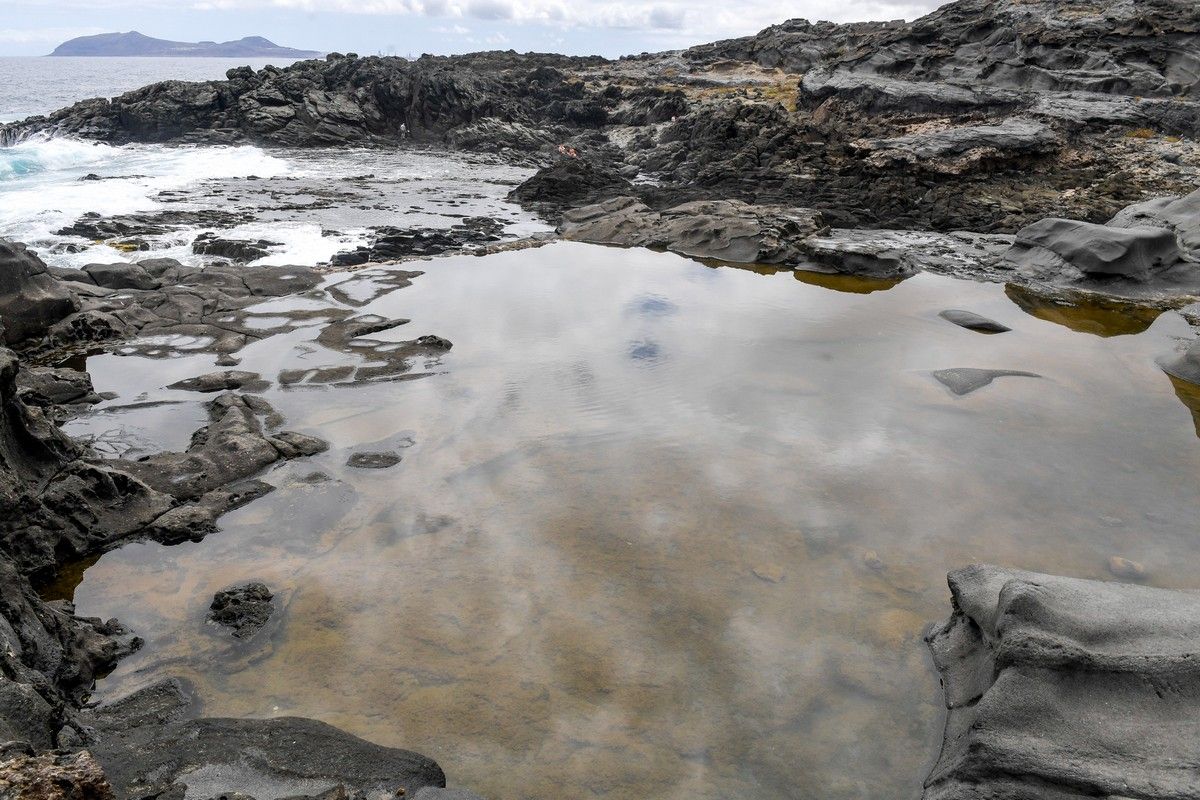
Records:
x=411, y=27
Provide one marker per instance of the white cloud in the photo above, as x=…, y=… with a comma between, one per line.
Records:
x=694, y=20
x=39, y=35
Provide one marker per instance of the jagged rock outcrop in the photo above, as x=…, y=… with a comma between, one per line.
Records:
x=1065, y=688
x=30, y=299
x=726, y=230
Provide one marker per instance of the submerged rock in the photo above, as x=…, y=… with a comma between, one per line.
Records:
x=964, y=380
x=223, y=381
x=149, y=748
x=973, y=322
x=1066, y=688
x=374, y=460
x=245, y=609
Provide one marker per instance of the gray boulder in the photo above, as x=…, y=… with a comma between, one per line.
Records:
x=31, y=299
x=725, y=230
x=121, y=276
x=1062, y=688
x=1064, y=249
x=1180, y=215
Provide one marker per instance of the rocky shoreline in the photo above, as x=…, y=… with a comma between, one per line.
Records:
x=1045, y=144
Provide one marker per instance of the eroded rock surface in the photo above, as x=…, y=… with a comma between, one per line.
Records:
x=1065, y=688
x=243, y=609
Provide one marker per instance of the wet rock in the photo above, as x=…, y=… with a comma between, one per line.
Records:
x=571, y=182
x=392, y=244
x=234, y=446
x=1065, y=688
x=237, y=250
x=245, y=609
x=973, y=322
x=31, y=300
x=373, y=460
x=1185, y=366
x=53, y=776
x=722, y=229
x=223, y=381
x=1125, y=569
x=964, y=380
x=147, y=746
x=55, y=386
x=120, y=276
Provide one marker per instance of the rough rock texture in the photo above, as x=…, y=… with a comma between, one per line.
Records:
x=31, y=300
x=985, y=115
x=53, y=776
x=720, y=229
x=393, y=244
x=234, y=446
x=1186, y=365
x=1062, y=688
x=245, y=609
x=147, y=745
x=222, y=381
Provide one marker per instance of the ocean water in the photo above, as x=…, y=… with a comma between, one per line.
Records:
x=39, y=85
x=311, y=203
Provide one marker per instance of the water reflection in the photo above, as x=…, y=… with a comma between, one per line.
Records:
x=706, y=579
x=1085, y=313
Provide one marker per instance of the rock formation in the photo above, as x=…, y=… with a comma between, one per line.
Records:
x=1064, y=688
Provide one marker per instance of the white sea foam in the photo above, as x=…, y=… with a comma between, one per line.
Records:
x=42, y=186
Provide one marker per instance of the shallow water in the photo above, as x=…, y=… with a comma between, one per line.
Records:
x=662, y=529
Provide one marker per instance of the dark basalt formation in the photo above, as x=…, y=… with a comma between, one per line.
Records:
x=244, y=609
x=986, y=115
x=151, y=745
x=31, y=300
x=394, y=244
x=60, y=502
x=1064, y=688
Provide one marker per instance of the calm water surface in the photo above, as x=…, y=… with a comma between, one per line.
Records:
x=662, y=529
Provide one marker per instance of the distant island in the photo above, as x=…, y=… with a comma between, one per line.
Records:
x=137, y=44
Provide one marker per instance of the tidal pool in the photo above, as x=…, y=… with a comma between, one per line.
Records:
x=662, y=529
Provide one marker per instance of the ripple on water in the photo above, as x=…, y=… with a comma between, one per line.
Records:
x=664, y=529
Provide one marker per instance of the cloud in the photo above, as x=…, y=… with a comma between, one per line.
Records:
x=691, y=20
x=39, y=35
x=491, y=9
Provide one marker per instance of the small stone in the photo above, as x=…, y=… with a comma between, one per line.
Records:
x=771, y=573
x=1126, y=569
x=373, y=460
x=973, y=322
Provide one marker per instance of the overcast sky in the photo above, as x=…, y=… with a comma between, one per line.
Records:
x=404, y=27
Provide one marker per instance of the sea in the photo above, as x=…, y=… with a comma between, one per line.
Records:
x=310, y=203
